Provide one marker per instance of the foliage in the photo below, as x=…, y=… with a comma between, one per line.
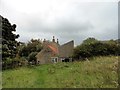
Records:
x=90, y=41
x=9, y=42
x=11, y=63
x=32, y=57
x=98, y=72
x=29, y=50
x=34, y=45
x=92, y=47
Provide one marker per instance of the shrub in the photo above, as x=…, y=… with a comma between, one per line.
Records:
x=92, y=47
x=35, y=45
x=31, y=57
x=10, y=63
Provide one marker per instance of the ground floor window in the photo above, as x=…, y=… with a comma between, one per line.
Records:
x=54, y=59
x=63, y=59
x=38, y=62
x=66, y=59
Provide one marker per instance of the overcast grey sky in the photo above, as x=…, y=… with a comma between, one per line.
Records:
x=65, y=19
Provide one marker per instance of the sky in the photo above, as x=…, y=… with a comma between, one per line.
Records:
x=65, y=19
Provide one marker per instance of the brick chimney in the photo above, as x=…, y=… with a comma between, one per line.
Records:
x=44, y=40
x=53, y=40
x=57, y=41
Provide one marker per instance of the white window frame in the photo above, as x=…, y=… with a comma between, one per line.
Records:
x=62, y=59
x=54, y=59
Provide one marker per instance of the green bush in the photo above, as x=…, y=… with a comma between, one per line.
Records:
x=92, y=47
x=10, y=63
x=34, y=45
x=31, y=57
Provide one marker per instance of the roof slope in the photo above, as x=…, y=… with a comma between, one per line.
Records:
x=66, y=50
x=54, y=49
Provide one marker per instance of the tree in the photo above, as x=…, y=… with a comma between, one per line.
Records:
x=32, y=58
x=92, y=47
x=30, y=49
x=9, y=42
x=90, y=41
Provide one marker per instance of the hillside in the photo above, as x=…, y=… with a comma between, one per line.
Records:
x=97, y=72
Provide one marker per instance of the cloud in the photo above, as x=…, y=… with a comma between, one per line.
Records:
x=66, y=20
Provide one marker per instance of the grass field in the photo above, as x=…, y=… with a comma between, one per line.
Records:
x=99, y=72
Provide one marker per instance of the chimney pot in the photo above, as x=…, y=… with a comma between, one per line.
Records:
x=53, y=39
x=44, y=40
x=57, y=41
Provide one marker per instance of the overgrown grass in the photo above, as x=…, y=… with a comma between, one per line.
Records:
x=100, y=72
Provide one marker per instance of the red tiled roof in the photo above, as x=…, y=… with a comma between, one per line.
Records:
x=54, y=49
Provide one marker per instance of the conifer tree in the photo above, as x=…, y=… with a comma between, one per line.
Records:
x=9, y=42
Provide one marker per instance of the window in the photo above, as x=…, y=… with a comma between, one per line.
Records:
x=38, y=62
x=62, y=59
x=54, y=59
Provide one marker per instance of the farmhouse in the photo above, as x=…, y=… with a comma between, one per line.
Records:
x=53, y=52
